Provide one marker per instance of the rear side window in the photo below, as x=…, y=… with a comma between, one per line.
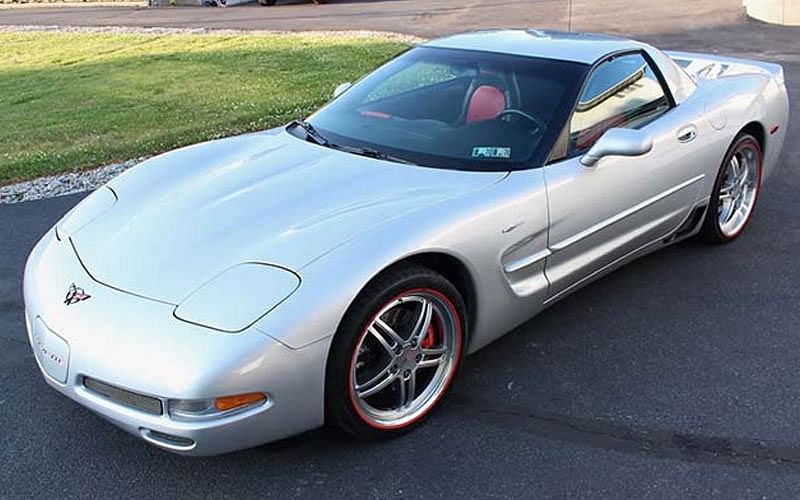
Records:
x=622, y=92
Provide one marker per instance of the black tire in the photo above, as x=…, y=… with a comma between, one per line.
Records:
x=319, y=2
x=267, y=3
x=340, y=402
x=712, y=230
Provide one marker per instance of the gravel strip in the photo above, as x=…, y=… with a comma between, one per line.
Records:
x=63, y=184
x=57, y=4
x=125, y=30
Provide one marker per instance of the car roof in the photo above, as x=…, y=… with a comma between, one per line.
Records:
x=584, y=48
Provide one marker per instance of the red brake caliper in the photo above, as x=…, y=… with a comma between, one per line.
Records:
x=427, y=342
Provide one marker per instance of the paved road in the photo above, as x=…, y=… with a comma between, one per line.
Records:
x=418, y=17
x=675, y=377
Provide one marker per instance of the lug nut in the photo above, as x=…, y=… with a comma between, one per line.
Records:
x=394, y=368
x=418, y=358
x=407, y=373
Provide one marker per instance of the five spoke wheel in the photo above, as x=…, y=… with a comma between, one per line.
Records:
x=735, y=192
x=405, y=358
x=396, y=352
x=738, y=190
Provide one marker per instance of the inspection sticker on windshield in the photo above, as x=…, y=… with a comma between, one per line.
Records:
x=491, y=152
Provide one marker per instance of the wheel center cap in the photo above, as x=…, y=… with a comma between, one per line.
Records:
x=408, y=359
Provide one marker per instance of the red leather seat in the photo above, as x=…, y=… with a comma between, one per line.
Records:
x=486, y=103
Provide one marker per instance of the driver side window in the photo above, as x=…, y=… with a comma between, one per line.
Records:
x=622, y=92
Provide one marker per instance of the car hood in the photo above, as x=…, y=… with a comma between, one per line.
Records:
x=183, y=217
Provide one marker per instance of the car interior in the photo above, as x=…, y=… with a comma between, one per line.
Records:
x=457, y=109
x=463, y=111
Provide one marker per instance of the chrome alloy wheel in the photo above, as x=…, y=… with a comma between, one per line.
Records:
x=405, y=359
x=739, y=189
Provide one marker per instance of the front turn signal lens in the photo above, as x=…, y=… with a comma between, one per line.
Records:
x=232, y=402
x=207, y=409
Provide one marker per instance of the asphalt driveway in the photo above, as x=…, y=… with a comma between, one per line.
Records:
x=417, y=17
x=675, y=377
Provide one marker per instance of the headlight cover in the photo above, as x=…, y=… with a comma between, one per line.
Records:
x=238, y=297
x=90, y=208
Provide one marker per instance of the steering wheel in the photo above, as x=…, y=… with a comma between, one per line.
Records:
x=540, y=125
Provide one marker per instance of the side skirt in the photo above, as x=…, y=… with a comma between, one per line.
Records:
x=688, y=228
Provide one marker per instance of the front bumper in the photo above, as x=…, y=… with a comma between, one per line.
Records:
x=137, y=345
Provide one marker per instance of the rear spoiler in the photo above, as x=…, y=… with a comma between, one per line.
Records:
x=710, y=67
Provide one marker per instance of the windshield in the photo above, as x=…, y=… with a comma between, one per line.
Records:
x=456, y=109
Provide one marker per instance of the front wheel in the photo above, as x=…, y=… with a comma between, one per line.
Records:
x=735, y=191
x=396, y=353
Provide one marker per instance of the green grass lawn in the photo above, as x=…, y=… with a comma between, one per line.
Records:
x=70, y=101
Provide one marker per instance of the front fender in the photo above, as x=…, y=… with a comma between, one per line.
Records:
x=472, y=228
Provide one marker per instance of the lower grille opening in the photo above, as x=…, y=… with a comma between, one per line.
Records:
x=124, y=397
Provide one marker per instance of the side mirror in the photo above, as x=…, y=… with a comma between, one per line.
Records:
x=341, y=89
x=618, y=142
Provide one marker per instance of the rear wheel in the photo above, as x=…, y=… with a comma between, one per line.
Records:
x=396, y=353
x=735, y=191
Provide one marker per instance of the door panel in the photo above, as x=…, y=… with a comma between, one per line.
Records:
x=602, y=213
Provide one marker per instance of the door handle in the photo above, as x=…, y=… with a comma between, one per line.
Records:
x=687, y=134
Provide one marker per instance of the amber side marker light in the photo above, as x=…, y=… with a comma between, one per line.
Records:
x=232, y=402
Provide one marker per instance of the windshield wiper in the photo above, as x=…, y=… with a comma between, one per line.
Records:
x=311, y=132
x=313, y=135
x=373, y=153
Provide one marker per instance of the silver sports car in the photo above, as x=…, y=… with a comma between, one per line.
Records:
x=339, y=268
